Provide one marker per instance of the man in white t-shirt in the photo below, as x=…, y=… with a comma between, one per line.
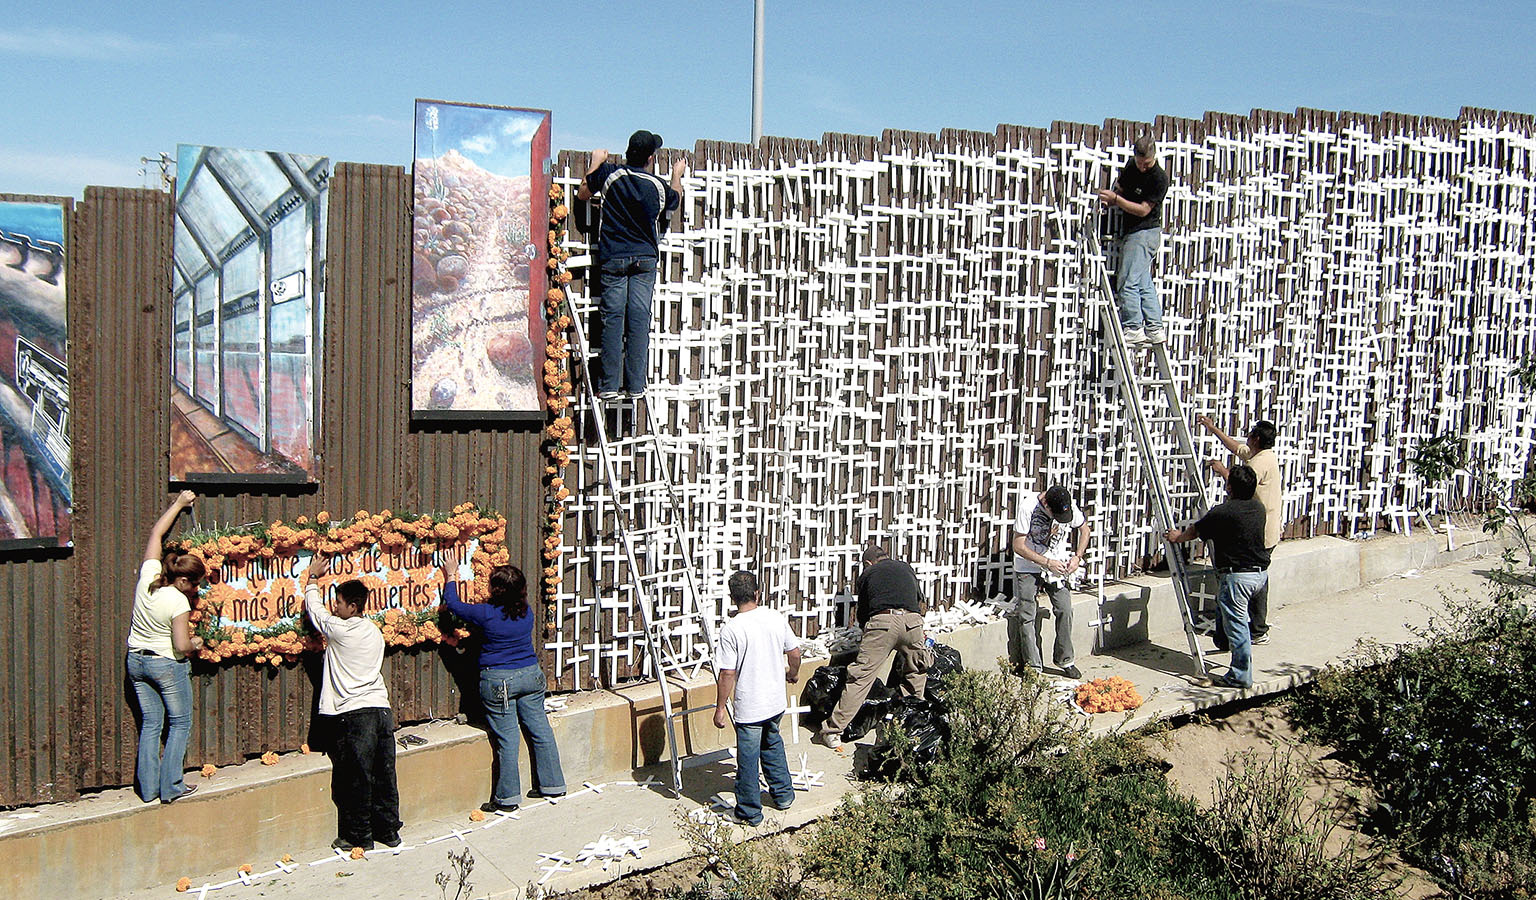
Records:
x=753, y=670
x=356, y=701
x=1045, y=557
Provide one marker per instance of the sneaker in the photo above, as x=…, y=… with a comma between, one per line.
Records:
x=391, y=841
x=1135, y=337
x=780, y=806
x=1227, y=681
x=191, y=788
x=1260, y=639
x=735, y=816
x=345, y=845
x=830, y=741
x=491, y=806
x=540, y=793
x=1156, y=335
x=608, y=396
x=635, y=395
x=1072, y=672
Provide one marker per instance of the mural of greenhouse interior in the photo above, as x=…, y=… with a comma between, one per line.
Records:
x=248, y=290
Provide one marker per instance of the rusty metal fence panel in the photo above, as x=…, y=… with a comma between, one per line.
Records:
x=69, y=722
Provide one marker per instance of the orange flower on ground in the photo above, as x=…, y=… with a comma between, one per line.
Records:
x=304, y=749
x=476, y=816
x=269, y=758
x=208, y=770
x=247, y=869
x=357, y=852
x=183, y=884
x=286, y=859
x=1112, y=694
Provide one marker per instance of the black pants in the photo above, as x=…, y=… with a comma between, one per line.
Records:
x=363, y=776
x=1258, y=618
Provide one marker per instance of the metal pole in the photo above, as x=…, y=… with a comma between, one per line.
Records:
x=757, y=73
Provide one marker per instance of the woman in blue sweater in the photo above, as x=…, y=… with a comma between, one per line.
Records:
x=511, y=684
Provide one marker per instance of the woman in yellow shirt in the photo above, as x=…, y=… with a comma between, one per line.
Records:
x=159, y=641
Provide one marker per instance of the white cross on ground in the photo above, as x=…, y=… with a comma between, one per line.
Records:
x=795, y=709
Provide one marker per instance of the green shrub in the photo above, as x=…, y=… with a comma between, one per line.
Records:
x=1017, y=769
x=748, y=869
x=1272, y=840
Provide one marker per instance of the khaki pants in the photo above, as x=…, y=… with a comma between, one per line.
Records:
x=885, y=632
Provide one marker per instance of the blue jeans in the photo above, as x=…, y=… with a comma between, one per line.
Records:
x=1232, y=598
x=164, y=689
x=1139, y=305
x=513, y=697
x=758, y=745
x=625, y=319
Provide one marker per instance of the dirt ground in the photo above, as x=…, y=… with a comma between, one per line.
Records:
x=1197, y=751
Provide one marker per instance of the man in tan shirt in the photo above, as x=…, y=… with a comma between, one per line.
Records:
x=1259, y=453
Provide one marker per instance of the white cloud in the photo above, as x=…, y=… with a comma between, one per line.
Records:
x=76, y=44
x=521, y=129
x=479, y=144
x=66, y=174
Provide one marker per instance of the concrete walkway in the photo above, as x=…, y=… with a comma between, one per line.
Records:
x=509, y=853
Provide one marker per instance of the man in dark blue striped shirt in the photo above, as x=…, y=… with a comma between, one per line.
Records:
x=636, y=206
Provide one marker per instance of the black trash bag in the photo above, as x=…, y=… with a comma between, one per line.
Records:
x=925, y=724
x=825, y=688
x=821, y=693
x=946, y=662
x=874, y=709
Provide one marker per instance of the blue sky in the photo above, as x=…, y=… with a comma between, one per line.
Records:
x=93, y=86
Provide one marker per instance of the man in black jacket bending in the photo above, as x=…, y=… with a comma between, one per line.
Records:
x=890, y=612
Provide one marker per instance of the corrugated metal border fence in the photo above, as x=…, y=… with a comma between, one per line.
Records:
x=1300, y=185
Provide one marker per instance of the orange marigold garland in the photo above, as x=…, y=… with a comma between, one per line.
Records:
x=561, y=431
x=287, y=638
x=1112, y=694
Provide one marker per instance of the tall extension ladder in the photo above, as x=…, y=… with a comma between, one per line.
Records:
x=1152, y=406
x=660, y=561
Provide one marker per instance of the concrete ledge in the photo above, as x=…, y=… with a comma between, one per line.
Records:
x=110, y=844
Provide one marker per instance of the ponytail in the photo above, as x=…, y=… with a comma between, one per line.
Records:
x=178, y=564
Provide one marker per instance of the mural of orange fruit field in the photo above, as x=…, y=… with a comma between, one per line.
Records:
x=477, y=261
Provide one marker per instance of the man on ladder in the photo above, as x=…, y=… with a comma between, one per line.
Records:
x=1138, y=194
x=636, y=205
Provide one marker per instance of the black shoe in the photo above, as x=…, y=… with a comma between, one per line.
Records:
x=493, y=806
x=1072, y=672
x=391, y=841
x=1227, y=681
x=1260, y=639
x=780, y=806
x=541, y=794
x=344, y=844
x=189, y=790
x=737, y=817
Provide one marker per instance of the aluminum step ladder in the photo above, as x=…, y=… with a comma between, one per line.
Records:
x=650, y=525
x=1153, y=408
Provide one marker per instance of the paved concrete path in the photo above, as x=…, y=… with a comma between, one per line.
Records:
x=1307, y=636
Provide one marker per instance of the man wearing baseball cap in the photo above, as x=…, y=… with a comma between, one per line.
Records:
x=1045, y=558
x=636, y=204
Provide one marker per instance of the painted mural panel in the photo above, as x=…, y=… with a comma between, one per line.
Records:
x=248, y=277
x=34, y=376
x=478, y=261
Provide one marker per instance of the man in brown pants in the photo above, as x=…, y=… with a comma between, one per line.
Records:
x=890, y=612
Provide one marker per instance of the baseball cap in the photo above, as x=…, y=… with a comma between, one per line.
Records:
x=1059, y=502
x=642, y=144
